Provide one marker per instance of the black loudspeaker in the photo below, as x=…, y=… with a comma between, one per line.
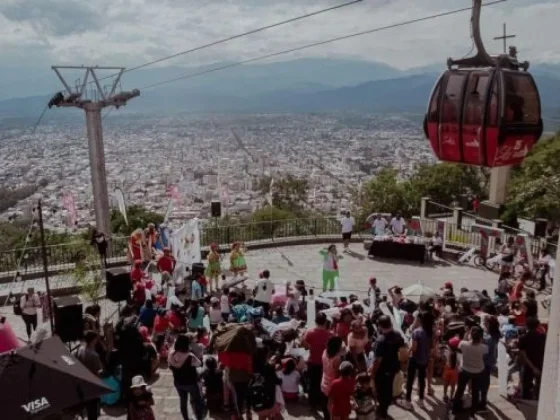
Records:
x=216, y=208
x=118, y=285
x=68, y=323
x=540, y=228
x=197, y=268
x=490, y=211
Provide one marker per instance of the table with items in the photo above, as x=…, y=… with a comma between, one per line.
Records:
x=395, y=247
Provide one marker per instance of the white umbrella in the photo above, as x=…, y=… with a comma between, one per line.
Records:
x=418, y=293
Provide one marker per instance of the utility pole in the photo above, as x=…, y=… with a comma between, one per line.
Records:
x=499, y=177
x=45, y=264
x=92, y=107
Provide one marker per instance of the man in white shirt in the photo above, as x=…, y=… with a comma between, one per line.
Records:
x=379, y=225
x=29, y=304
x=264, y=289
x=398, y=224
x=347, y=222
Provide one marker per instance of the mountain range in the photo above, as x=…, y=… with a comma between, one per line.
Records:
x=303, y=85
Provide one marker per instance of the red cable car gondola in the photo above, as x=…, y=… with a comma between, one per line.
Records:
x=484, y=111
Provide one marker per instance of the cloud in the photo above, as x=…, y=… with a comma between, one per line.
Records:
x=54, y=17
x=130, y=32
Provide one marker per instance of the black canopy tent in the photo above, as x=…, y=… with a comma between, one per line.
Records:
x=43, y=379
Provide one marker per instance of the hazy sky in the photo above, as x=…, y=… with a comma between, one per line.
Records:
x=130, y=32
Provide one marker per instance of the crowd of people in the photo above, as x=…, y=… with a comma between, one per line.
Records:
x=344, y=354
x=243, y=351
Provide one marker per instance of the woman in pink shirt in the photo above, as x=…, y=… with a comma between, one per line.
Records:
x=332, y=357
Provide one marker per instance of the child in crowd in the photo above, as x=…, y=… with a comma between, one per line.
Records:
x=213, y=383
x=203, y=281
x=451, y=370
x=341, y=393
x=290, y=380
x=364, y=398
x=214, y=313
x=279, y=316
x=225, y=307
x=147, y=315
x=141, y=400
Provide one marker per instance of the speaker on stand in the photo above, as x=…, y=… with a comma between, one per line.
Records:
x=216, y=208
x=197, y=268
x=118, y=284
x=68, y=322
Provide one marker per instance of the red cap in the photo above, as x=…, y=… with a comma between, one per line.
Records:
x=454, y=342
x=372, y=280
x=448, y=285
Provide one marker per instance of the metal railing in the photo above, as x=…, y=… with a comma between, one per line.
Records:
x=65, y=255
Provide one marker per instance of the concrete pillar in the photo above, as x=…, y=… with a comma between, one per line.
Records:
x=97, y=167
x=549, y=397
x=499, y=178
x=457, y=216
x=424, y=208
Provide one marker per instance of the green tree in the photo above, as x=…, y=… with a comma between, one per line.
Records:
x=138, y=217
x=386, y=194
x=88, y=272
x=288, y=193
x=534, y=190
x=445, y=182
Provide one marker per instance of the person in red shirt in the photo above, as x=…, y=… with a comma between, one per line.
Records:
x=342, y=327
x=342, y=302
x=136, y=274
x=161, y=323
x=167, y=262
x=342, y=390
x=176, y=319
x=315, y=340
x=516, y=292
x=139, y=294
x=160, y=299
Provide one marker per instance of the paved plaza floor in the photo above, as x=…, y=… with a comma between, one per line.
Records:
x=292, y=263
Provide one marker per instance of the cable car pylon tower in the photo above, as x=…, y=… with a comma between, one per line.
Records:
x=77, y=98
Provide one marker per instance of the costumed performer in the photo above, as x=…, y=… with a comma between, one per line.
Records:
x=136, y=246
x=237, y=260
x=214, y=268
x=151, y=235
x=330, y=267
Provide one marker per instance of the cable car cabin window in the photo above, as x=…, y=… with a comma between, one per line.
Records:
x=475, y=99
x=451, y=106
x=494, y=104
x=521, y=99
x=433, y=113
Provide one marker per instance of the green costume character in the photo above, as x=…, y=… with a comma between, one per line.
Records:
x=330, y=267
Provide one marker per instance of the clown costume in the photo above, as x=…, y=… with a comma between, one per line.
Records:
x=237, y=260
x=330, y=267
x=214, y=269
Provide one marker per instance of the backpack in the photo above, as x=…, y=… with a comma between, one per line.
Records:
x=262, y=394
x=17, y=308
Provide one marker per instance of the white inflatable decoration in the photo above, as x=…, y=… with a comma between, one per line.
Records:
x=502, y=369
x=311, y=313
x=467, y=255
x=386, y=311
